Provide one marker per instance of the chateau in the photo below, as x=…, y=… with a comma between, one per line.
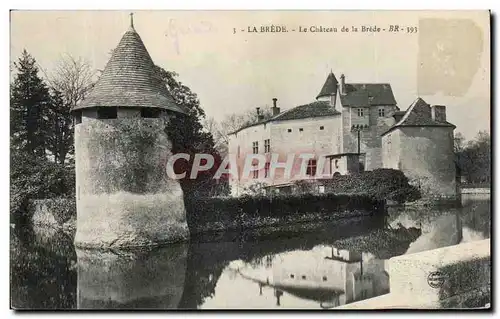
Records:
x=350, y=127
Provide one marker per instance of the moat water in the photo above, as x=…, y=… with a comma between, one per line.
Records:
x=331, y=265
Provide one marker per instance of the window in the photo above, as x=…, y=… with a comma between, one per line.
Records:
x=321, y=128
x=311, y=167
x=78, y=117
x=289, y=130
x=361, y=112
x=255, y=147
x=239, y=151
x=150, y=113
x=381, y=112
x=267, y=146
x=292, y=276
x=336, y=163
x=324, y=278
x=321, y=189
x=255, y=174
x=303, y=277
x=301, y=129
x=106, y=113
x=266, y=170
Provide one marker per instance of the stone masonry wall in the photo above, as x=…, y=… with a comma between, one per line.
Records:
x=124, y=196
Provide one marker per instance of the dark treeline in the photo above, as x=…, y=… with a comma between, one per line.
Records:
x=474, y=159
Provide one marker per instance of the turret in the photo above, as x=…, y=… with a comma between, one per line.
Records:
x=329, y=90
x=124, y=197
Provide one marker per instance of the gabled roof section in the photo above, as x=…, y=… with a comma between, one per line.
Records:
x=313, y=109
x=418, y=114
x=330, y=86
x=130, y=80
x=367, y=94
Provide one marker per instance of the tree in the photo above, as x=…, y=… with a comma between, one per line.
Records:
x=29, y=107
x=73, y=78
x=475, y=159
x=60, y=123
x=231, y=123
x=458, y=142
x=32, y=174
x=70, y=82
x=188, y=136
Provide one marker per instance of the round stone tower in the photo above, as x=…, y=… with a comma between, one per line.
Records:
x=123, y=194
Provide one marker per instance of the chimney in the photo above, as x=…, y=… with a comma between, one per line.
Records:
x=342, y=84
x=438, y=113
x=259, y=116
x=276, y=110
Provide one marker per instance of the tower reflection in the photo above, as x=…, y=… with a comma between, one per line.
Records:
x=152, y=279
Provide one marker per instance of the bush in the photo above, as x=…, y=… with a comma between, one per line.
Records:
x=63, y=209
x=201, y=210
x=34, y=178
x=379, y=184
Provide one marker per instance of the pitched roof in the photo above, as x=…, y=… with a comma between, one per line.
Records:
x=330, y=86
x=130, y=79
x=418, y=114
x=367, y=94
x=313, y=109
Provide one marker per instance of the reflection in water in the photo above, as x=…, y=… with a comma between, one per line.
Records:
x=326, y=266
x=445, y=227
x=139, y=279
x=321, y=277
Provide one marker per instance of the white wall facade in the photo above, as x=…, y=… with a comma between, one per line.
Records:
x=319, y=136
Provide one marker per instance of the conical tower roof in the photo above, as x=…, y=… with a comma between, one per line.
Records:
x=330, y=86
x=130, y=80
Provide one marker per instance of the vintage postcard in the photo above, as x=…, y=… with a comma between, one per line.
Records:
x=320, y=160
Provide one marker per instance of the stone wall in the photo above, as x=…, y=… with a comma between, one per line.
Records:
x=371, y=140
x=425, y=155
x=124, y=196
x=56, y=213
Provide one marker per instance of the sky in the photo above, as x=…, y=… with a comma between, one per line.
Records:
x=445, y=60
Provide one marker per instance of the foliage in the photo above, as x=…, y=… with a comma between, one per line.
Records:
x=474, y=160
x=232, y=122
x=63, y=209
x=379, y=184
x=69, y=82
x=188, y=136
x=228, y=209
x=33, y=133
x=34, y=178
x=383, y=243
x=255, y=189
x=60, y=123
x=29, y=101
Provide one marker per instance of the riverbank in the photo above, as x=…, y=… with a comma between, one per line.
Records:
x=226, y=214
